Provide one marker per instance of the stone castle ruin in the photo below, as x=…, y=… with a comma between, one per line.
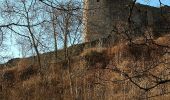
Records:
x=102, y=15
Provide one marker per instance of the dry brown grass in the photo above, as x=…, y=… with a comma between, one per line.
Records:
x=165, y=40
x=84, y=83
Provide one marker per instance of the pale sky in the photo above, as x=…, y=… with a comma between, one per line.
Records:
x=154, y=2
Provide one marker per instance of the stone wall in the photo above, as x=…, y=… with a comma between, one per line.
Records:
x=102, y=15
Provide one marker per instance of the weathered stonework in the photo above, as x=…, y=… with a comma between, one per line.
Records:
x=100, y=16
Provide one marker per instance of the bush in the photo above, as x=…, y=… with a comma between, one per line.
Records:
x=27, y=73
x=8, y=76
x=148, y=52
x=94, y=57
x=137, y=51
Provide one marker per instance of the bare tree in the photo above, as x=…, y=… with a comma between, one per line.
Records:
x=24, y=18
x=69, y=24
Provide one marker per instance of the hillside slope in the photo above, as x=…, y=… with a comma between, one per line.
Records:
x=124, y=71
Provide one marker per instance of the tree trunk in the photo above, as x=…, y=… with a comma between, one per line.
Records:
x=33, y=39
x=54, y=32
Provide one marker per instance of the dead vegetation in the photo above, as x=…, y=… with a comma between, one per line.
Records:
x=118, y=72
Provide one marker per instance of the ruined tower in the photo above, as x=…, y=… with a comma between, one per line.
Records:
x=99, y=15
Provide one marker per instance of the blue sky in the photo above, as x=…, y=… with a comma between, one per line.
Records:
x=154, y=2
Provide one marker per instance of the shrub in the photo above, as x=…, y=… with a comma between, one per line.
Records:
x=94, y=57
x=8, y=76
x=136, y=51
x=27, y=73
x=148, y=52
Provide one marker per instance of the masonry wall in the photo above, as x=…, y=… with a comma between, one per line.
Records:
x=101, y=16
